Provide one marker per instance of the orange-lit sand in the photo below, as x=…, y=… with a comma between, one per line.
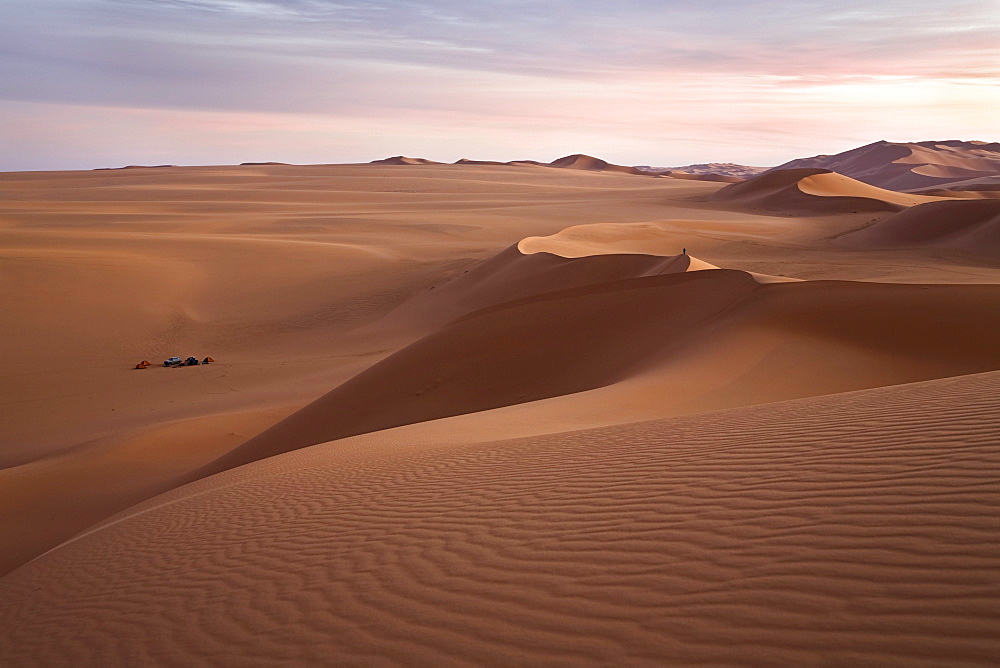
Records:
x=541, y=433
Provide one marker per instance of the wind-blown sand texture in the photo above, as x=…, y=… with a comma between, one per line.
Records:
x=494, y=413
x=856, y=528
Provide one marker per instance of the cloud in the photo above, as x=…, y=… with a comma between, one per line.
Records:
x=605, y=69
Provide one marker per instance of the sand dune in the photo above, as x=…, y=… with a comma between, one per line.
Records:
x=597, y=239
x=720, y=178
x=972, y=226
x=49, y=500
x=589, y=163
x=911, y=166
x=709, y=169
x=136, y=167
x=515, y=352
x=514, y=275
x=466, y=161
x=101, y=269
x=422, y=317
x=577, y=161
x=270, y=269
x=857, y=528
x=403, y=160
x=809, y=190
x=571, y=340
x=973, y=193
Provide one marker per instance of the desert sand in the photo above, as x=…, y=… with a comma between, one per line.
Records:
x=502, y=413
x=964, y=165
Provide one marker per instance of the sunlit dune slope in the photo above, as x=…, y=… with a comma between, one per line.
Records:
x=818, y=191
x=856, y=529
x=610, y=239
x=972, y=225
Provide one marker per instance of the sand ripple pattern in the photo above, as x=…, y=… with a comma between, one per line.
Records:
x=855, y=529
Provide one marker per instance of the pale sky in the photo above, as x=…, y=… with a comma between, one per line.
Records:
x=103, y=83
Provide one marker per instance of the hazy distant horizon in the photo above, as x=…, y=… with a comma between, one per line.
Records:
x=544, y=159
x=105, y=83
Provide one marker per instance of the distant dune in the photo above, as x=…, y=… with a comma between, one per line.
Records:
x=577, y=161
x=466, y=161
x=912, y=166
x=712, y=171
x=972, y=225
x=135, y=167
x=720, y=178
x=721, y=172
x=815, y=190
x=403, y=160
x=589, y=163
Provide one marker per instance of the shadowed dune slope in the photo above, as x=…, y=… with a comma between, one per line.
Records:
x=547, y=345
x=817, y=191
x=972, y=226
x=592, y=336
x=972, y=193
x=855, y=529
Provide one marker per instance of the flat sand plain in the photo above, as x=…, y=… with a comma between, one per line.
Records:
x=494, y=414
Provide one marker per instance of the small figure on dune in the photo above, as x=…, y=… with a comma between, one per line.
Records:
x=684, y=251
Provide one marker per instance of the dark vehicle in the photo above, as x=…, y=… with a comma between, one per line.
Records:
x=191, y=361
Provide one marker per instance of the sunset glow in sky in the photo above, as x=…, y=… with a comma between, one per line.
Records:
x=94, y=83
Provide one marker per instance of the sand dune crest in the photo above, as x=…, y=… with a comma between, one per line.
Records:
x=566, y=341
x=812, y=190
